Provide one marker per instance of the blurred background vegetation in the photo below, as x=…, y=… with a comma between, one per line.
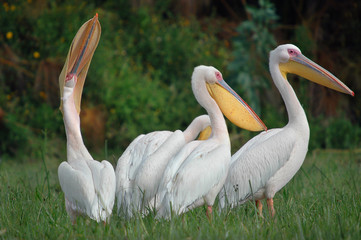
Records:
x=139, y=79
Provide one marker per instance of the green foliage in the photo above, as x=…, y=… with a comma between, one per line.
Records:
x=42, y=27
x=336, y=133
x=317, y=133
x=251, y=47
x=303, y=40
x=32, y=31
x=14, y=136
x=145, y=82
x=140, y=73
x=168, y=48
x=341, y=133
x=133, y=100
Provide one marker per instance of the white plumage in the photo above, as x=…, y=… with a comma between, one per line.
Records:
x=141, y=166
x=197, y=172
x=194, y=177
x=88, y=185
x=268, y=161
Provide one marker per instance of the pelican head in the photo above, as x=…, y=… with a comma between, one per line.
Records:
x=231, y=105
x=78, y=60
x=291, y=60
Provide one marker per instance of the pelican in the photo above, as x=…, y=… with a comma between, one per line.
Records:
x=268, y=161
x=195, y=175
x=140, y=167
x=88, y=185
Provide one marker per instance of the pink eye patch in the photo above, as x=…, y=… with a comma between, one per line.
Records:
x=219, y=76
x=293, y=52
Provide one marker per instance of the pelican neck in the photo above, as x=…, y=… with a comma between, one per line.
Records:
x=294, y=109
x=75, y=145
x=218, y=124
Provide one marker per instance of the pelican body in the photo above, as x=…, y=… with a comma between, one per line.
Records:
x=88, y=185
x=196, y=173
x=269, y=161
x=140, y=167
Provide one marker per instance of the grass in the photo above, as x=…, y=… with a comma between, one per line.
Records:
x=323, y=201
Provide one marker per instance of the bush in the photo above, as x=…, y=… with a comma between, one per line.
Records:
x=140, y=73
x=341, y=133
x=251, y=48
x=145, y=81
x=337, y=133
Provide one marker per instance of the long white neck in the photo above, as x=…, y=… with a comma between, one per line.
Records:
x=218, y=124
x=196, y=126
x=76, y=149
x=296, y=114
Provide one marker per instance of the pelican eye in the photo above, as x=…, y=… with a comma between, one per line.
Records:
x=219, y=76
x=292, y=52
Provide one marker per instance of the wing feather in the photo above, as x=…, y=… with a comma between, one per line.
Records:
x=128, y=164
x=194, y=179
x=255, y=163
x=78, y=188
x=171, y=170
x=106, y=189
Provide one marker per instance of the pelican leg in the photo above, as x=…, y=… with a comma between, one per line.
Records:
x=209, y=212
x=270, y=207
x=259, y=207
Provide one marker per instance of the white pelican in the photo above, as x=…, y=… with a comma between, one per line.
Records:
x=140, y=167
x=197, y=172
x=268, y=161
x=88, y=185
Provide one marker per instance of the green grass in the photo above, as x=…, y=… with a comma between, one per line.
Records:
x=323, y=201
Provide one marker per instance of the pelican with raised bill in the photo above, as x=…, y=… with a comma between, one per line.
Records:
x=268, y=161
x=140, y=167
x=88, y=185
x=196, y=173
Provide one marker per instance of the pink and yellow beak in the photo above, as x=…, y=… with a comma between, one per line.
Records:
x=304, y=67
x=234, y=107
x=79, y=57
